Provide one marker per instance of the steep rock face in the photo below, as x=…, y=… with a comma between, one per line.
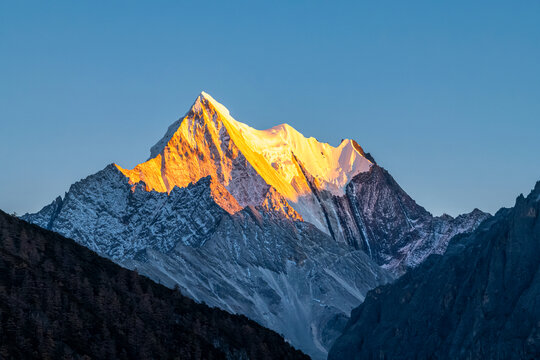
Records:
x=203, y=145
x=261, y=261
x=208, y=141
x=389, y=225
x=478, y=301
x=60, y=300
x=108, y=215
x=375, y=214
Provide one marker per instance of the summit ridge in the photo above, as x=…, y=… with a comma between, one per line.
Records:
x=208, y=141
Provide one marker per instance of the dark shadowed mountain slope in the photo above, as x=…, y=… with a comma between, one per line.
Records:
x=60, y=300
x=383, y=220
x=481, y=300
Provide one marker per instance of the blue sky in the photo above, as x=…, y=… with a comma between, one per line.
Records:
x=445, y=95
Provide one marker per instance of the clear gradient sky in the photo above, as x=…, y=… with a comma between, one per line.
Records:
x=444, y=94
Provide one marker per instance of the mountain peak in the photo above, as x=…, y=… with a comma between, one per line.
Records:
x=208, y=141
x=207, y=96
x=206, y=100
x=203, y=102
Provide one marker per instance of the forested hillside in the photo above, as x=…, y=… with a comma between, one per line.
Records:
x=60, y=300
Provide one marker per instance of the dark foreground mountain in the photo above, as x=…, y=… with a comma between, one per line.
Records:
x=60, y=300
x=481, y=300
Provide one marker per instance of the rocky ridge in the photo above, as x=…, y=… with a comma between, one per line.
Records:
x=477, y=301
x=260, y=262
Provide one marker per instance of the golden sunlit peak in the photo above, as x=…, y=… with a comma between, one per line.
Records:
x=215, y=104
x=206, y=95
x=208, y=141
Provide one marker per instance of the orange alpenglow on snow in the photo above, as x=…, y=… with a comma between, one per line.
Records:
x=247, y=162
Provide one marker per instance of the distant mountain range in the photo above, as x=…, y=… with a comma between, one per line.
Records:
x=284, y=229
x=481, y=300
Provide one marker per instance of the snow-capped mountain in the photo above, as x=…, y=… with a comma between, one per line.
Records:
x=341, y=190
x=208, y=141
x=284, y=229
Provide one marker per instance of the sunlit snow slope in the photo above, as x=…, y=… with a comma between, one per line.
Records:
x=208, y=141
